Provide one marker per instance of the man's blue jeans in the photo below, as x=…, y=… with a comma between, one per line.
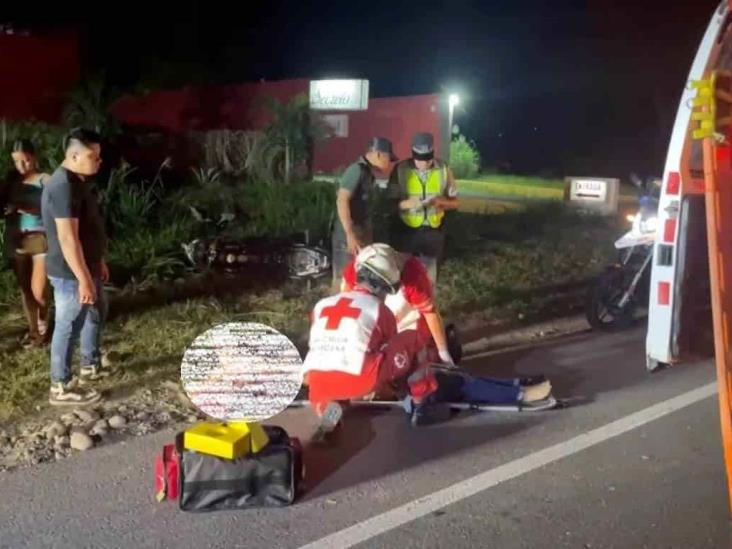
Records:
x=73, y=321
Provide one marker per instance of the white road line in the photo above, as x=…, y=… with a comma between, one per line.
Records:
x=379, y=524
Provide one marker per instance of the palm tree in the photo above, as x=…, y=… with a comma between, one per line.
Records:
x=292, y=129
x=89, y=105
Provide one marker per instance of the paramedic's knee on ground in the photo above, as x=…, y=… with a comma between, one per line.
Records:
x=350, y=333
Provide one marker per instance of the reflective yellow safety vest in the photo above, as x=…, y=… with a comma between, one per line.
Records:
x=434, y=186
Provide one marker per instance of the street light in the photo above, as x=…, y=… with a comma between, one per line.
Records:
x=452, y=100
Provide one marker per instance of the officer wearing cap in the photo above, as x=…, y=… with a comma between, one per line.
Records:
x=352, y=229
x=424, y=188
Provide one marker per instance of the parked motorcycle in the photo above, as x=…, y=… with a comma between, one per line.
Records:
x=623, y=286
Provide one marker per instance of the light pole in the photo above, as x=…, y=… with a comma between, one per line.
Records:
x=452, y=101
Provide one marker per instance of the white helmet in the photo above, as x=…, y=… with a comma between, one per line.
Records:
x=381, y=261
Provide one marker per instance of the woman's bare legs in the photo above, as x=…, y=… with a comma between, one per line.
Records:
x=40, y=289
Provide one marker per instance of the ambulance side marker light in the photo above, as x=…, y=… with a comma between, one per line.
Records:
x=674, y=183
x=664, y=293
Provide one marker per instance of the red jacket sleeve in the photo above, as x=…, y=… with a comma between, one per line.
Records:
x=349, y=276
x=417, y=287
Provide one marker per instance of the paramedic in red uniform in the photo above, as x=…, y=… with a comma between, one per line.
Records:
x=355, y=346
x=413, y=305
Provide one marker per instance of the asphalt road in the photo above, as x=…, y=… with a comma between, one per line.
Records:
x=635, y=462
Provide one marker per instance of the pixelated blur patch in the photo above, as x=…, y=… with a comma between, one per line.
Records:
x=241, y=371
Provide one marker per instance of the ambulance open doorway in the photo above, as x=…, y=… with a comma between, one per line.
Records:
x=679, y=310
x=692, y=334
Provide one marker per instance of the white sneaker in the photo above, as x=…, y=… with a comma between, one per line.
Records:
x=91, y=373
x=69, y=394
x=330, y=418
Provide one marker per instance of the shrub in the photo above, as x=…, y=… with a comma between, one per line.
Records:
x=145, y=238
x=464, y=158
x=284, y=210
x=150, y=254
x=233, y=153
x=89, y=106
x=256, y=209
x=129, y=206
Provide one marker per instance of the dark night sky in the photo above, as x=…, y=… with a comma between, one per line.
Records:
x=554, y=86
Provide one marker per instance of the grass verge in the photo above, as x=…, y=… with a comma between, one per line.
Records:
x=533, y=188
x=501, y=266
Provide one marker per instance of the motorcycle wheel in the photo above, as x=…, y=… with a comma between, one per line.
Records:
x=603, y=311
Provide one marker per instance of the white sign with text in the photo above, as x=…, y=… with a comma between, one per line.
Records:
x=339, y=95
x=595, y=194
x=589, y=189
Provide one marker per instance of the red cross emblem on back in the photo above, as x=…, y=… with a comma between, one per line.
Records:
x=335, y=313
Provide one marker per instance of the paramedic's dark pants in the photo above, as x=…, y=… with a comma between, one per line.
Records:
x=426, y=243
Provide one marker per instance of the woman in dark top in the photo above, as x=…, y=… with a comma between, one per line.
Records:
x=26, y=237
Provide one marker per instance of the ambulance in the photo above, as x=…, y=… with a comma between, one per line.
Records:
x=679, y=309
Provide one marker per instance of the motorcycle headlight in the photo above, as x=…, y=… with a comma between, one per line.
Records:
x=649, y=225
x=630, y=218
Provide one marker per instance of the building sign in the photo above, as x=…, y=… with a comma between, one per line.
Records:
x=337, y=124
x=594, y=194
x=339, y=95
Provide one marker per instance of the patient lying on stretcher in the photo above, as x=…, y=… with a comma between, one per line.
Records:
x=355, y=349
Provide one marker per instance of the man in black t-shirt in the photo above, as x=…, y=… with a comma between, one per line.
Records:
x=76, y=268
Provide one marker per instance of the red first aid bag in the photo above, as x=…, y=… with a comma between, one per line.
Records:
x=167, y=473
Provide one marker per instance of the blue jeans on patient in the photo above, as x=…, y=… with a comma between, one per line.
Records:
x=492, y=391
x=73, y=321
x=461, y=387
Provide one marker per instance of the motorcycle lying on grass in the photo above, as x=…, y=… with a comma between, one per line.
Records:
x=268, y=258
x=623, y=286
x=260, y=256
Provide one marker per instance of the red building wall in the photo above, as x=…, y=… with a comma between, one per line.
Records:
x=39, y=71
x=37, y=74
x=233, y=107
x=396, y=118
x=238, y=107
